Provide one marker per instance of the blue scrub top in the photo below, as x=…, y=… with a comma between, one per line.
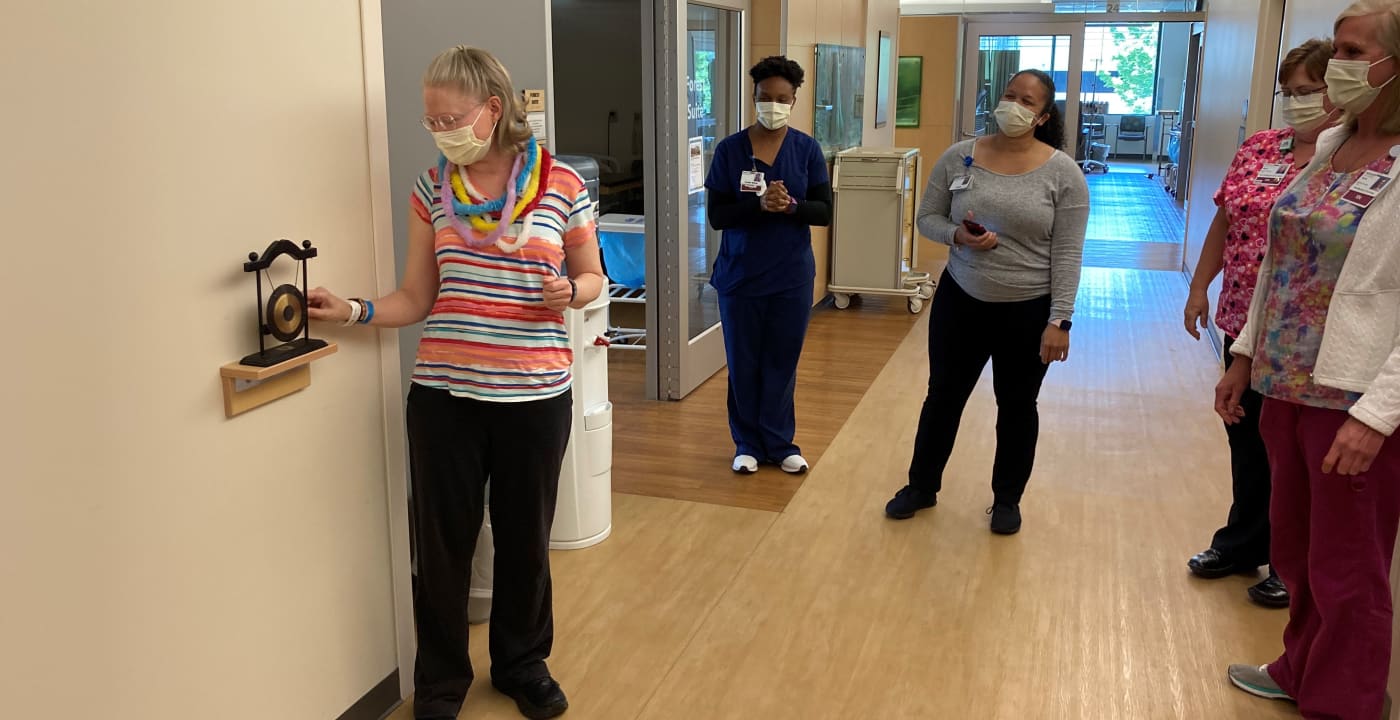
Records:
x=772, y=254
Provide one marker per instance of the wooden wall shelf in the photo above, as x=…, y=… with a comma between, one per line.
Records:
x=271, y=383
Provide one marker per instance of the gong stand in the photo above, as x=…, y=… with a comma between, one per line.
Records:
x=275, y=372
x=284, y=316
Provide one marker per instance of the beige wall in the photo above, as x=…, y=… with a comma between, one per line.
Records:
x=1301, y=23
x=795, y=28
x=161, y=561
x=937, y=40
x=880, y=16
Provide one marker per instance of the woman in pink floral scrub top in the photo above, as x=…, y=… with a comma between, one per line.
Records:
x=1320, y=344
x=1266, y=163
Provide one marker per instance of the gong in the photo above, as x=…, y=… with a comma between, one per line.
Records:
x=286, y=313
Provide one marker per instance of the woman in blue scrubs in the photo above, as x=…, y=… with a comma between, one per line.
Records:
x=768, y=185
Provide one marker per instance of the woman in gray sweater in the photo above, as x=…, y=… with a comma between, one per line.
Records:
x=1013, y=208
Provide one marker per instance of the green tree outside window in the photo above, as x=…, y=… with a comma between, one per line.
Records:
x=1135, y=54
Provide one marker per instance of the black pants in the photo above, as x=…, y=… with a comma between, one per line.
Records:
x=1245, y=538
x=455, y=444
x=964, y=333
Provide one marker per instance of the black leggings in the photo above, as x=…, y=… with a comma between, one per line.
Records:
x=455, y=445
x=964, y=333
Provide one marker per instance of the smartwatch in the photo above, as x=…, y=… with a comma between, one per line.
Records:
x=1062, y=324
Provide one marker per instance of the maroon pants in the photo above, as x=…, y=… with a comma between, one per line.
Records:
x=1333, y=538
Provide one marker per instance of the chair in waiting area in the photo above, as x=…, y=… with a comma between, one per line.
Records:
x=1131, y=128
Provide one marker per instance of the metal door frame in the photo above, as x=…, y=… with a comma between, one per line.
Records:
x=971, y=47
x=676, y=363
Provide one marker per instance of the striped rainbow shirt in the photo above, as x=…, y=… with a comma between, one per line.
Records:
x=489, y=335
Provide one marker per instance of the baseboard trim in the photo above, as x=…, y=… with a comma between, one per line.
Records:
x=376, y=704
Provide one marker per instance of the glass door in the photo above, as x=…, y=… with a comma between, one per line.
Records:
x=997, y=51
x=699, y=100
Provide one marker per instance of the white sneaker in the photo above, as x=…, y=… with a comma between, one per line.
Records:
x=745, y=465
x=795, y=464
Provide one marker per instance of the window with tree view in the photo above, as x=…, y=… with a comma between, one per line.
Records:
x=1120, y=67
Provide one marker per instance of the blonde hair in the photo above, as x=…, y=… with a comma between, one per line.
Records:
x=477, y=74
x=1388, y=33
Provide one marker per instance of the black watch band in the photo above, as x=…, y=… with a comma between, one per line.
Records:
x=573, y=289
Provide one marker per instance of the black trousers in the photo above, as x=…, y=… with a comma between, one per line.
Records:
x=964, y=333
x=1245, y=538
x=455, y=445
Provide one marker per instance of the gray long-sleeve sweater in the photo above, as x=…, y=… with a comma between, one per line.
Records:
x=1039, y=219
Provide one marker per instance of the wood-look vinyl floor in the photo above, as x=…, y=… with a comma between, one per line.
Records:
x=682, y=450
x=1088, y=613
x=829, y=610
x=626, y=608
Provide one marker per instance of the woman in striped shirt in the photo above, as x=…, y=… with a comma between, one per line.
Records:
x=494, y=225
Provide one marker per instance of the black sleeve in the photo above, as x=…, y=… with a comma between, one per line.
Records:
x=816, y=209
x=728, y=211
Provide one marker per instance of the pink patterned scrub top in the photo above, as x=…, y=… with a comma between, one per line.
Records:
x=1247, y=200
x=1311, y=231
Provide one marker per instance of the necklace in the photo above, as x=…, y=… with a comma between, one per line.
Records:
x=524, y=207
x=524, y=181
x=456, y=220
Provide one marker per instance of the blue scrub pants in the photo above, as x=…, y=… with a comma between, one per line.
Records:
x=762, y=341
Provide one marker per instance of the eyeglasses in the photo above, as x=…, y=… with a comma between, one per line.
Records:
x=443, y=123
x=1301, y=93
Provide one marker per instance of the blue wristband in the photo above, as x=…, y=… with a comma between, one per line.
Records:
x=369, y=313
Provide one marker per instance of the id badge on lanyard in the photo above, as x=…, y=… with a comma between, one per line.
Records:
x=753, y=180
x=963, y=181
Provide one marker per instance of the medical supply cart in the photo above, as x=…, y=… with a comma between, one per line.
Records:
x=874, y=247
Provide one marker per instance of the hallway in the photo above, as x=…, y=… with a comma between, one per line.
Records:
x=828, y=610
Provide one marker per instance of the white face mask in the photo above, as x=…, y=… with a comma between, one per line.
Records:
x=773, y=116
x=1014, y=119
x=1304, y=113
x=1349, y=87
x=461, y=146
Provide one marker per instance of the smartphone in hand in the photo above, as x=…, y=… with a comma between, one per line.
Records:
x=977, y=229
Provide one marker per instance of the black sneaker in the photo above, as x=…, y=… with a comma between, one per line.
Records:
x=537, y=699
x=1006, y=519
x=908, y=501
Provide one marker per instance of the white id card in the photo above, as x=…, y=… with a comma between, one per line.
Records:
x=1366, y=188
x=1272, y=173
x=961, y=182
x=752, y=181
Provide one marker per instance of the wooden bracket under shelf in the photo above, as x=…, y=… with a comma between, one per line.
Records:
x=268, y=383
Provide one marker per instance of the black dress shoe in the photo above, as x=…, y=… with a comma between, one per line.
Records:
x=537, y=699
x=1270, y=593
x=1006, y=518
x=1211, y=565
